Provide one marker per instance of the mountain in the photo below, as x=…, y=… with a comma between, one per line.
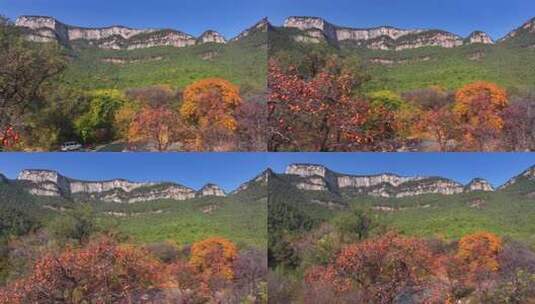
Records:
x=311, y=177
x=403, y=60
x=53, y=184
x=316, y=30
x=117, y=37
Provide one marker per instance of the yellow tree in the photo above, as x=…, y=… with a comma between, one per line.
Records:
x=209, y=105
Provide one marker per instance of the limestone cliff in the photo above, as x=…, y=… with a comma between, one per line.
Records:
x=479, y=37
x=211, y=37
x=479, y=184
x=319, y=178
x=315, y=30
x=210, y=190
x=51, y=183
x=48, y=29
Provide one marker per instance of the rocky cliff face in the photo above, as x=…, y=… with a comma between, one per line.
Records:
x=210, y=190
x=48, y=29
x=315, y=30
x=480, y=37
x=479, y=184
x=212, y=37
x=320, y=178
x=51, y=183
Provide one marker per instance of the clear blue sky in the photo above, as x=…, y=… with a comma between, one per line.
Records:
x=194, y=170
x=497, y=168
x=497, y=17
x=229, y=17
x=231, y=169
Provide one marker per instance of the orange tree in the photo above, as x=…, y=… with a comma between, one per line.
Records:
x=214, y=257
x=479, y=106
x=479, y=252
x=209, y=105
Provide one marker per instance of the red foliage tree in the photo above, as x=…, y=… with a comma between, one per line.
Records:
x=379, y=269
x=101, y=272
x=321, y=113
x=8, y=137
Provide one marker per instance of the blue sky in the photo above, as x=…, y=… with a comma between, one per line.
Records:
x=497, y=17
x=231, y=169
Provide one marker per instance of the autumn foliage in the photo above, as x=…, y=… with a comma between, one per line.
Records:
x=322, y=113
x=480, y=251
x=209, y=105
x=479, y=107
x=104, y=271
x=214, y=257
x=379, y=269
x=160, y=124
x=385, y=268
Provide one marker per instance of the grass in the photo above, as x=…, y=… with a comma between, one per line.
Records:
x=242, y=62
x=505, y=213
x=241, y=218
x=187, y=221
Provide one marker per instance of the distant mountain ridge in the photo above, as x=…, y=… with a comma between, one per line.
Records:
x=306, y=177
x=118, y=37
x=312, y=177
x=316, y=30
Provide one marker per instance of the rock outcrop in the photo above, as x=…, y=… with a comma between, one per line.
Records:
x=48, y=29
x=212, y=37
x=479, y=37
x=315, y=30
x=319, y=178
x=210, y=190
x=479, y=184
x=51, y=183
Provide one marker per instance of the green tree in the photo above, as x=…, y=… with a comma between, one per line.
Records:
x=387, y=99
x=356, y=224
x=96, y=125
x=25, y=70
x=78, y=224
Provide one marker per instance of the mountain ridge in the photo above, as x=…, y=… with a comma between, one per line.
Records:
x=317, y=29
x=306, y=177
x=118, y=37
